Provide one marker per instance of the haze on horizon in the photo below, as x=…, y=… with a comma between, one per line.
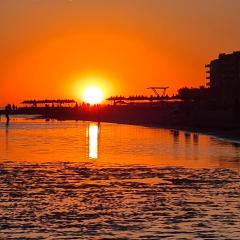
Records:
x=52, y=49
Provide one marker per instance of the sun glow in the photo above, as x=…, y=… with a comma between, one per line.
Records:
x=93, y=95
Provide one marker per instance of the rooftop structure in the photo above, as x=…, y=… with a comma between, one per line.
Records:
x=164, y=89
x=59, y=102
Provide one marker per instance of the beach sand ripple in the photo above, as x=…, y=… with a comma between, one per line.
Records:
x=87, y=201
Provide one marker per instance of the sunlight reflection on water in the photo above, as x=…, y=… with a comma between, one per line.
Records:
x=93, y=134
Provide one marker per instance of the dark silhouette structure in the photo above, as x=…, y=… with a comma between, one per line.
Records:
x=224, y=79
x=194, y=94
x=59, y=102
x=164, y=91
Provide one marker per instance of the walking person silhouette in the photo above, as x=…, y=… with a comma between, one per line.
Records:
x=7, y=112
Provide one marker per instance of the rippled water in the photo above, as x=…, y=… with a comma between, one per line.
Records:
x=80, y=180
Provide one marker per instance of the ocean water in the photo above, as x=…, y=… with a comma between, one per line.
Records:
x=84, y=180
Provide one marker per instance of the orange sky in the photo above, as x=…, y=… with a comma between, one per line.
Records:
x=53, y=49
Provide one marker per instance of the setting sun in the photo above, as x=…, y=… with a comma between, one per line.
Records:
x=93, y=95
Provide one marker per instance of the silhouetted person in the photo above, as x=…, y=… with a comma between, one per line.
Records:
x=187, y=137
x=7, y=112
x=76, y=106
x=175, y=134
x=195, y=138
x=14, y=107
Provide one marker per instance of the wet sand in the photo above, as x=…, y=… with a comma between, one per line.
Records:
x=88, y=201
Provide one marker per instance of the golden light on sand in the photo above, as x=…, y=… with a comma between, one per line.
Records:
x=93, y=95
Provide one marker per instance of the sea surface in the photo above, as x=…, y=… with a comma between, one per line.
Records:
x=84, y=180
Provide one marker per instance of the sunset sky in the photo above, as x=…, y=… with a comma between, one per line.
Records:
x=56, y=48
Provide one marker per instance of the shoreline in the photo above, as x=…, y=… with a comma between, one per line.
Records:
x=225, y=135
x=216, y=124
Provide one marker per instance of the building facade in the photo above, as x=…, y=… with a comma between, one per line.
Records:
x=223, y=75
